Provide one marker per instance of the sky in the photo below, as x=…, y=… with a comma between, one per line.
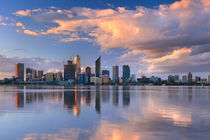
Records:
x=153, y=37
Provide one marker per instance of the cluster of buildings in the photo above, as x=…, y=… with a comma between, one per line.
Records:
x=188, y=79
x=72, y=74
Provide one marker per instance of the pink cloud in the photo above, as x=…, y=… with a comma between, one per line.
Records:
x=166, y=33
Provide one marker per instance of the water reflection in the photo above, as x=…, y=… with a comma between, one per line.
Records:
x=126, y=96
x=98, y=100
x=105, y=112
x=115, y=95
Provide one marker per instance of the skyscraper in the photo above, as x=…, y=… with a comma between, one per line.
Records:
x=189, y=77
x=19, y=71
x=28, y=74
x=88, y=71
x=58, y=76
x=69, y=70
x=115, y=73
x=126, y=73
x=184, y=78
x=98, y=67
x=78, y=66
x=40, y=74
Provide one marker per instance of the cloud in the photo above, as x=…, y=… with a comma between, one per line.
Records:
x=23, y=13
x=30, y=32
x=38, y=63
x=20, y=25
x=152, y=35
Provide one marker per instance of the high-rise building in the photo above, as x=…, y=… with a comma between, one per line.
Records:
x=98, y=67
x=28, y=74
x=19, y=71
x=78, y=65
x=69, y=70
x=184, y=79
x=133, y=78
x=40, y=74
x=105, y=72
x=190, y=77
x=126, y=73
x=88, y=71
x=59, y=76
x=115, y=73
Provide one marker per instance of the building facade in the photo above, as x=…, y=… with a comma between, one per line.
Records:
x=69, y=70
x=78, y=65
x=19, y=71
x=98, y=67
x=115, y=73
x=126, y=73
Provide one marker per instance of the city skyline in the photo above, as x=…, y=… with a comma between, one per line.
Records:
x=157, y=38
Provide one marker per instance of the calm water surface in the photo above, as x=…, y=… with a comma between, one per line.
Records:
x=104, y=112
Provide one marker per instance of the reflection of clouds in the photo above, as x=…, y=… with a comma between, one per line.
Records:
x=179, y=116
x=66, y=134
x=111, y=131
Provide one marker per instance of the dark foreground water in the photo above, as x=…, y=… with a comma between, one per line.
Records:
x=104, y=113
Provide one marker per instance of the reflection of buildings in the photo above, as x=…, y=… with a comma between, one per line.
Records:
x=19, y=100
x=105, y=95
x=115, y=96
x=126, y=96
x=88, y=98
x=72, y=100
x=98, y=100
x=40, y=97
x=30, y=97
x=179, y=116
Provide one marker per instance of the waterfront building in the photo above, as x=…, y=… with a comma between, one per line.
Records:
x=49, y=77
x=133, y=78
x=40, y=75
x=78, y=65
x=184, y=79
x=69, y=70
x=115, y=73
x=88, y=74
x=88, y=71
x=208, y=79
x=59, y=76
x=105, y=72
x=94, y=80
x=171, y=79
x=190, y=77
x=106, y=79
x=154, y=79
x=197, y=79
x=81, y=78
x=98, y=67
x=19, y=71
x=176, y=79
x=126, y=73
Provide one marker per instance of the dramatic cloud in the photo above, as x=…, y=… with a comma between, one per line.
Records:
x=162, y=39
x=8, y=63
